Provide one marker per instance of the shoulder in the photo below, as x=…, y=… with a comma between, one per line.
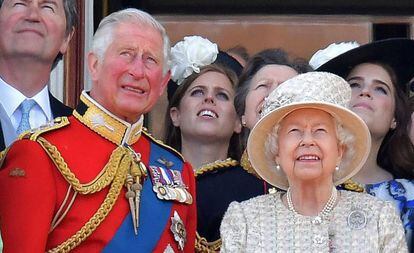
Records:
x=257, y=205
x=57, y=123
x=162, y=145
x=366, y=202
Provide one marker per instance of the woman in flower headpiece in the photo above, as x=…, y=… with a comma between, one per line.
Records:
x=378, y=73
x=202, y=123
x=262, y=74
x=307, y=142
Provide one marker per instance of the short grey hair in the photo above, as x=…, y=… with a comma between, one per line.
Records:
x=344, y=136
x=104, y=34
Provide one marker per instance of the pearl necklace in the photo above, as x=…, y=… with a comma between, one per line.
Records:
x=326, y=209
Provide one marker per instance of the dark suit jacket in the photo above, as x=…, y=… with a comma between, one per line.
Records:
x=58, y=109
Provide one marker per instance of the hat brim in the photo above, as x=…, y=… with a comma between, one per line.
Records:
x=348, y=119
x=398, y=53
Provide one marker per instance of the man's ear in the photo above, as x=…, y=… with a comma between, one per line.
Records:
x=164, y=82
x=93, y=63
x=65, y=44
x=175, y=116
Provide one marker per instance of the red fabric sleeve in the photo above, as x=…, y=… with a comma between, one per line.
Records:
x=27, y=198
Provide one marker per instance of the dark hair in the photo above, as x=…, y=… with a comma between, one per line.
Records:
x=396, y=153
x=256, y=62
x=172, y=134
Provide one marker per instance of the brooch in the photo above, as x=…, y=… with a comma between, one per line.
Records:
x=178, y=230
x=357, y=219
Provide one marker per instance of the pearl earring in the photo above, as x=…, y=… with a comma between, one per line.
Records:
x=277, y=167
x=336, y=168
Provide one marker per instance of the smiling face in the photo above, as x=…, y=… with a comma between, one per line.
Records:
x=262, y=83
x=373, y=97
x=310, y=146
x=206, y=109
x=128, y=80
x=33, y=29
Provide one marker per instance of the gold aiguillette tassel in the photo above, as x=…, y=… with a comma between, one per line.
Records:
x=136, y=187
x=130, y=196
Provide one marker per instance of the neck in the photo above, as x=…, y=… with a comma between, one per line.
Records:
x=201, y=153
x=371, y=172
x=309, y=199
x=27, y=76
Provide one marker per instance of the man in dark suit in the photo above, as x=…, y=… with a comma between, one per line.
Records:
x=35, y=35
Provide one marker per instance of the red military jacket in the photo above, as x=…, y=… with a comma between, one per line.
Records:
x=67, y=182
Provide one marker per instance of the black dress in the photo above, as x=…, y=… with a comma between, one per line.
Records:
x=218, y=184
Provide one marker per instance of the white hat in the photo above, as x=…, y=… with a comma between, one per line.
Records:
x=318, y=90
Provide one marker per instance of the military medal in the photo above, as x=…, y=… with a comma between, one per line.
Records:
x=168, y=185
x=178, y=230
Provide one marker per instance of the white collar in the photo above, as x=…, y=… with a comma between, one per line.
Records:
x=11, y=98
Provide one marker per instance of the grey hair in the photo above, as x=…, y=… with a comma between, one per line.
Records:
x=344, y=136
x=104, y=34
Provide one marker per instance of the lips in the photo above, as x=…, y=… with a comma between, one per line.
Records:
x=30, y=30
x=134, y=89
x=207, y=113
x=308, y=158
x=363, y=105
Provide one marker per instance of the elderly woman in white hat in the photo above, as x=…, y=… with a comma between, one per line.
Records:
x=307, y=142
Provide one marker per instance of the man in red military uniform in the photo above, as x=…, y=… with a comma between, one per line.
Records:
x=96, y=181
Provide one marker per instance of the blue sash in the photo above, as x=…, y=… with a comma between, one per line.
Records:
x=154, y=213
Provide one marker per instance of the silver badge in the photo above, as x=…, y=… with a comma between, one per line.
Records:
x=178, y=230
x=357, y=219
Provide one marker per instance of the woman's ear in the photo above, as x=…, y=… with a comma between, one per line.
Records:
x=237, y=126
x=341, y=152
x=175, y=116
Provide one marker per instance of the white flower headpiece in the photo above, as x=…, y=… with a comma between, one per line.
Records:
x=322, y=56
x=189, y=55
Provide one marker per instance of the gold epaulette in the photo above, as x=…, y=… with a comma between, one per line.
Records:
x=202, y=245
x=353, y=186
x=162, y=144
x=247, y=166
x=57, y=123
x=229, y=162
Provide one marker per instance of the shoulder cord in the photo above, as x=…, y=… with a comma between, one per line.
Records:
x=120, y=161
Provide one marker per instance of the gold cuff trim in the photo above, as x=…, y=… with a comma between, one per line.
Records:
x=202, y=245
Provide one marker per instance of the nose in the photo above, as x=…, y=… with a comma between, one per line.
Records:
x=209, y=99
x=137, y=68
x=33, y=12
x=365, y=92
x=307, y=139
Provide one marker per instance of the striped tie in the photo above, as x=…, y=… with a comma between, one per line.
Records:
x=25, y=108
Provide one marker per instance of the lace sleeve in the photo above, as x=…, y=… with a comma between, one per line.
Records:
x=233, y=229
x=391, y=231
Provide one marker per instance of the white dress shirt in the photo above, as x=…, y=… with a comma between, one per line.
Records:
x=10, y=99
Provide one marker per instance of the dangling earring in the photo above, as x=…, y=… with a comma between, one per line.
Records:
x=243, y=121
x=393, y=124
x=277, y=167
x=337, y=168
